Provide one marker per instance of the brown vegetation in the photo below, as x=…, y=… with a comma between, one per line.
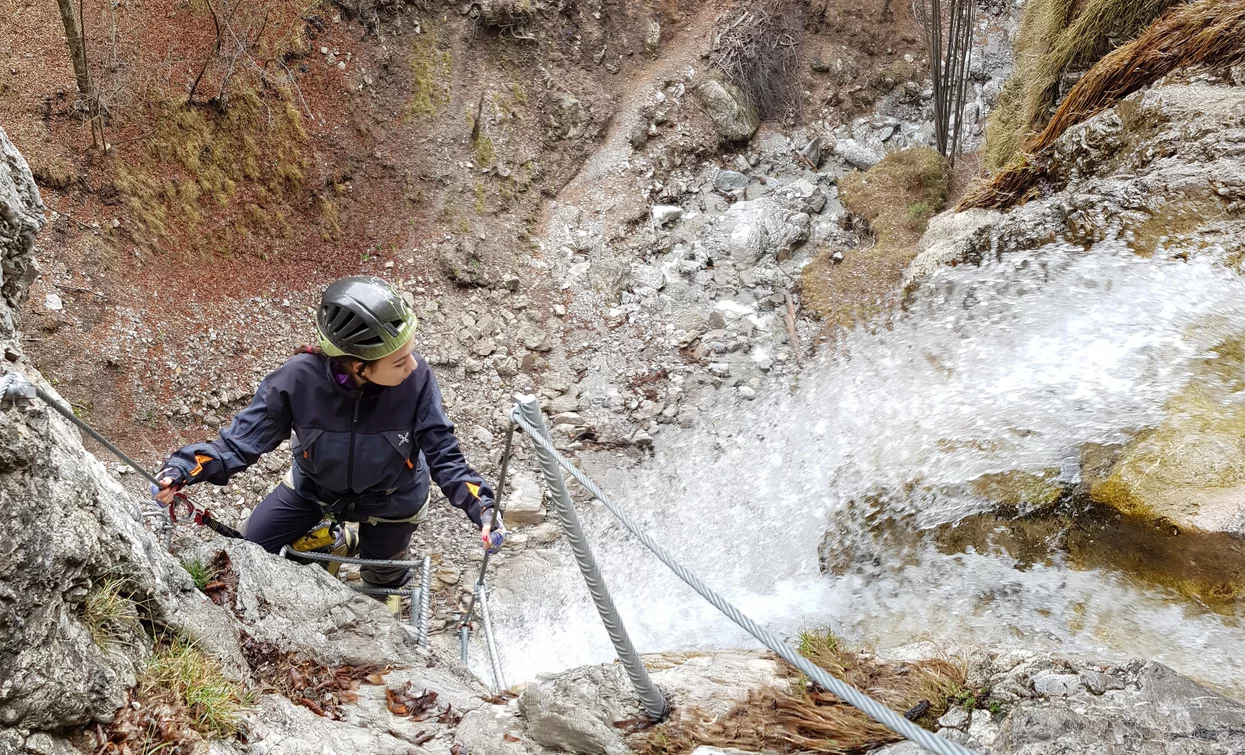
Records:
x=807, y=719
x=896, y=198
x=1057, y=37
x=1208, y=32
x=758, y=47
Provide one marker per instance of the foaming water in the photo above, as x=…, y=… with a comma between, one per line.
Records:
x=1010, y=366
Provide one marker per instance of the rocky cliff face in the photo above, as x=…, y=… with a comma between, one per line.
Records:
x=69, y=529
x=68, y=659
x=21, y=217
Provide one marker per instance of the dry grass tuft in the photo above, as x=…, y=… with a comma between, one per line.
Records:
x=810, y=720
x=1207, y=32
x=202, y=159
x=186, y=677
x=182, y=698
x=112, y=617
x=1057, y=36
x=897, y=198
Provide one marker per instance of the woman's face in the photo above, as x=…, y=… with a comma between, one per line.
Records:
x=393, y=369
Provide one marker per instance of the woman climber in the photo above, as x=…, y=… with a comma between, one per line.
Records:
x=369, y=431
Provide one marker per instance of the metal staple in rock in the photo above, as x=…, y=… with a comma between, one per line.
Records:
x=287, y=552
x=857, y=699
x=424, y=597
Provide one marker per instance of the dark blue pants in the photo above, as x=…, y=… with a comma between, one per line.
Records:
x=284, y=516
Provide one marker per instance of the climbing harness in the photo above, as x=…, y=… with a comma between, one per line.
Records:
x=479, y=594
x=527, y=416
x=14, y=386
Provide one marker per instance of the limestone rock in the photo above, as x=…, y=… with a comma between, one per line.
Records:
x=1156, y=711
x=729, y=180
x=759, y=228
x=665, y=214
x=1190, y=470
x=951, y=237
x=303, y=608
x=534, y=337
x=725, y=106
x=523, y=501
x=856, y=154
x=1050, y=684
x=21, y=217
x=575, y=711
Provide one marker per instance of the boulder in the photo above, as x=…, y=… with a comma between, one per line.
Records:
x=856, y=154
x=729, y=180
x=759, y=228
x=732, y=117
x=950, y=238
x=665, y=214
x=1190, y=470
x=575, y=711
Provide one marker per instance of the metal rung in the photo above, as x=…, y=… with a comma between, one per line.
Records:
x=405, y=592
x=287, y=552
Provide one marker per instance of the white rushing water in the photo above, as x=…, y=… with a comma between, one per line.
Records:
x=1010, y=366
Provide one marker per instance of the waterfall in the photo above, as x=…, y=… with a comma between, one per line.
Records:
x=1010, y=366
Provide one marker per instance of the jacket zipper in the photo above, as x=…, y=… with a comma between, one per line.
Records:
x=350, y=456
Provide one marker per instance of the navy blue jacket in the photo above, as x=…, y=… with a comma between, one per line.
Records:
x=352, y=448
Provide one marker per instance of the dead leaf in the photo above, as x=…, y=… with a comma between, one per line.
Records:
x=511, y=738
x=394, y=704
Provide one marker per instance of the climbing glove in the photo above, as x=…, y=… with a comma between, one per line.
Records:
x=493, y=540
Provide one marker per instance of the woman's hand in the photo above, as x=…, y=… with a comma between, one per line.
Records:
x=170, y=483
x=493, y=533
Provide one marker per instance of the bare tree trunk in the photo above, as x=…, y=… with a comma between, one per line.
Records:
x=77, y=49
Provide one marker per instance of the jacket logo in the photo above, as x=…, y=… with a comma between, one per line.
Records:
x=404, y=438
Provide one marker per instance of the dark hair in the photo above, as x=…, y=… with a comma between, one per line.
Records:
x=347, y=363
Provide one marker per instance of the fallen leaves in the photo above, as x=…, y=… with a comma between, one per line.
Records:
x=419, y=707
x=404, y=703
x=222, y=586
x=139, y=727
x=319, y=688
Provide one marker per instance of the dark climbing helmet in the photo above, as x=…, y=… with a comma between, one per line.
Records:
x=364, y=317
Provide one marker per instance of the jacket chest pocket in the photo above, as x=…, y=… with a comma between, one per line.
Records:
x=403, y=442
x=305, y=447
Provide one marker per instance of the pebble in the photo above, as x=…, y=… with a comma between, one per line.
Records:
x=665, y=214
x=954, y=718
x=729, y=180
